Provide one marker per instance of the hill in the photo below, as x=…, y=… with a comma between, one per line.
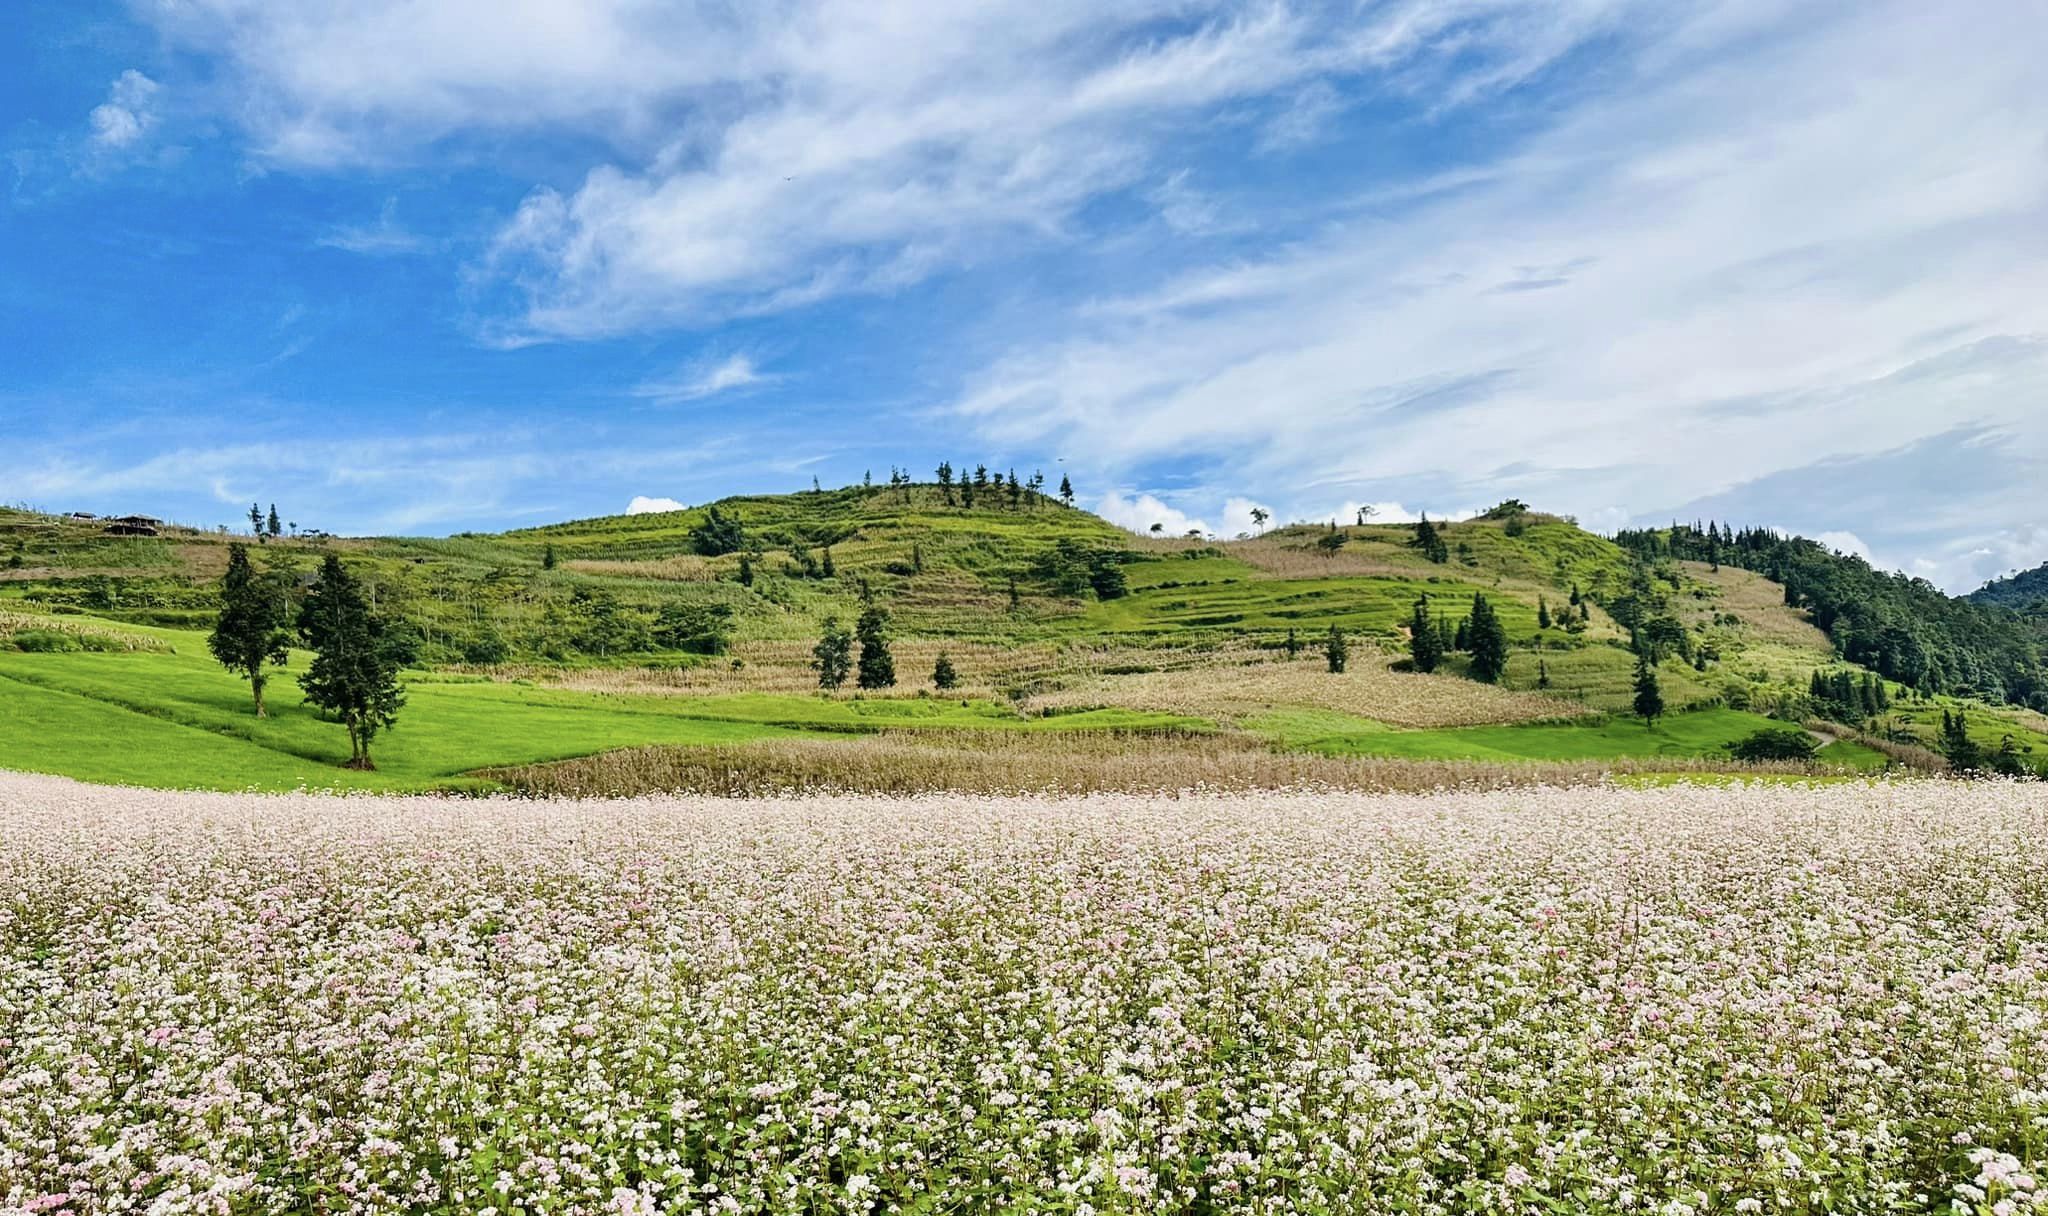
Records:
x=2025, y=592
x=694, y=628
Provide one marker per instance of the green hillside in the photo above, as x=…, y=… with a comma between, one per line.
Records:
x=694, y=627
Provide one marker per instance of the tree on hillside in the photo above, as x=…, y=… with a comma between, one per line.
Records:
x=1488, y=643
x=1425, y=644
x=256, y=521
x=1331, y=542
x=944, y=678
x=354, y=675
x=251, y=631
x=547, y=556
x=1430, y=541
x=1292, y=644
x=1964, y=754
x=1365, y=513
x=877, y=666
x=1066, y=490
x=1649, y=699
x=833, y=655
x=746, y=570
x=1542, y=674
x=1542, y=613
x=1259, y=517
x=272, y=524
x=1336, y=651
x=719, y=534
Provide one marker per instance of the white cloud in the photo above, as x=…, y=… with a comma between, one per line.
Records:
x=1736, y=261
x=128, y=113
x=770, y=155
x=642, y=505
x=706, y=378
x=1844, y=542
x=1139, y=512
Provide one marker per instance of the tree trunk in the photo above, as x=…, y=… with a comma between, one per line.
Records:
x=256, y=686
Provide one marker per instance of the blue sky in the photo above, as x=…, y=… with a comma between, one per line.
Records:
x=425, y=267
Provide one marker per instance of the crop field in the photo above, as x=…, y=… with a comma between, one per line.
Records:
x=1731, y=999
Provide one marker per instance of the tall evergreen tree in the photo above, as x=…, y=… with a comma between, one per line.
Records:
x=877, y=668
x=547, y=557
x=1489, y=642
x=1542, y=613
x=1066, y=490
x=1425, y=643
x=944, y=678
x=251, y=631
x=1649, y=698
x=1430, y=541
x=1336, y=651
x=1542, y=674
x=945, y=472
x=256, y=521
x=354, y=675
x=833, y=655
x=1964, y=754
x=272, y=524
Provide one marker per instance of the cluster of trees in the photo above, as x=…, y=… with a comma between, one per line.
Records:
x=266, y=526
x=1070, y=568
x=357, y=652
x=1905, y=629
x=994, y=489
x=1843, y=697
x=1479, y=634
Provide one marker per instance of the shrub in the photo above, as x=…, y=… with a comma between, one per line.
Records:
x=1775, y=743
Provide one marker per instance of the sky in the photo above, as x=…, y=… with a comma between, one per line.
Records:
x=423, y=266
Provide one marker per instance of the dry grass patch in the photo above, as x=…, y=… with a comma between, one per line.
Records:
x=1370, y=689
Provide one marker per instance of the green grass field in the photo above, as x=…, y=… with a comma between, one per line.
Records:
x=1681, y=736
x=179, y=720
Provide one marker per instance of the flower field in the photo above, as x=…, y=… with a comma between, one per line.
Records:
x=1731, y=999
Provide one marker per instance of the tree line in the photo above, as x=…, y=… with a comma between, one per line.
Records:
x=1903, y=628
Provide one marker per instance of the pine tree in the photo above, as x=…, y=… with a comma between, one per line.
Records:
x=1336, y=651
x=1542, y=674
x=1066, y=491
x=944, y=678
x=354, y=675
x=1577, y=599
x=833, y=655
x=1462, y=640
x=1649, y=699
x=1489, y=643
x=1425, y=643
x=1446, y=637
x=1542, y=613
x=547, y=557
x=251, y=630
x=746, y=570
x=1430, y=541
x=945, y=472
x=877, y=668
x=256, y=521
x=272, y=524
x=1964, y=755
x=828, y=569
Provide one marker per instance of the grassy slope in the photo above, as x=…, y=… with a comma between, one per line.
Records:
x=1686, y=735
x=178, y=719
x=1183, y=594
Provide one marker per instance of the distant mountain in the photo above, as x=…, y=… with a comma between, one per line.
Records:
x=2026, y=591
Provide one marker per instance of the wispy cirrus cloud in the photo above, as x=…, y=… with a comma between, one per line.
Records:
x=706, y=378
